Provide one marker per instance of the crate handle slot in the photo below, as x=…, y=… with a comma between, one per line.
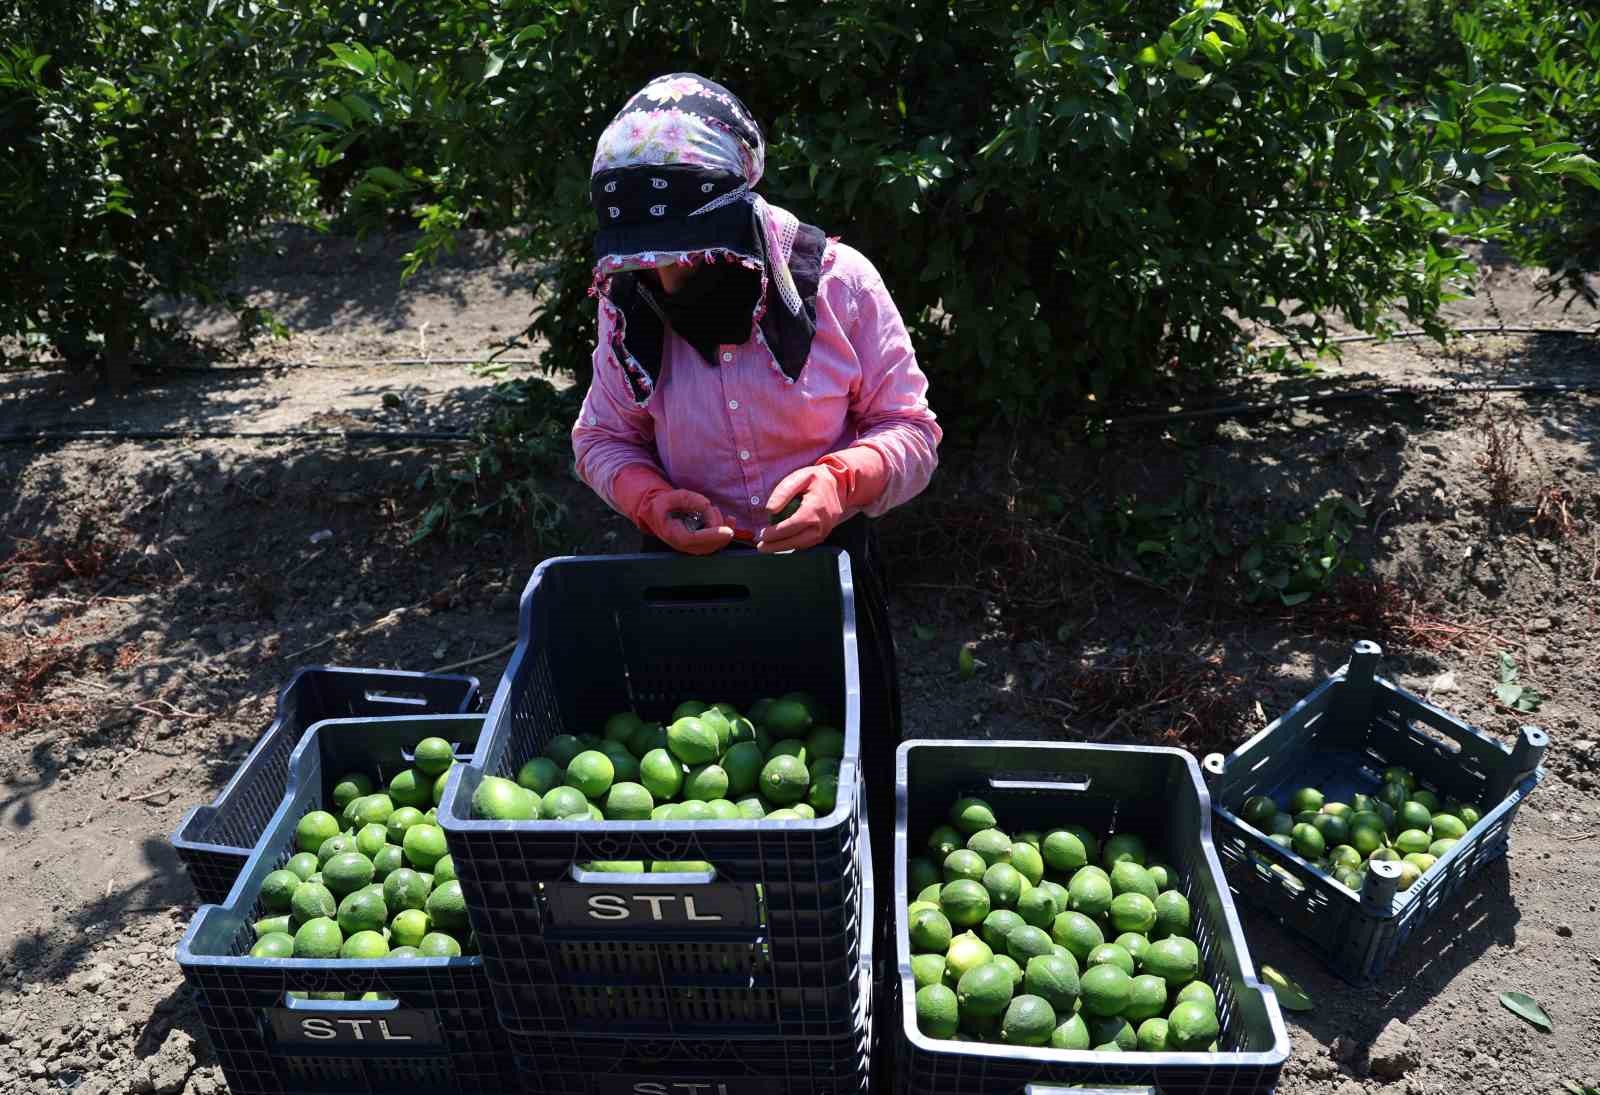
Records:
x=613, y=878
x=1071, y=781
x=1062, y=1089
x=364, y=1007
x=696, y=594
x=407, y=699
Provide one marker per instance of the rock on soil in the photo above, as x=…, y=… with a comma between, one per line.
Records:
x=1393, y=1052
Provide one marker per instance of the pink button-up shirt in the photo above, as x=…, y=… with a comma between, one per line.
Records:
x=732, y=432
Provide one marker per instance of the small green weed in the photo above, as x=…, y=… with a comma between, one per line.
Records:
x=1293, y=561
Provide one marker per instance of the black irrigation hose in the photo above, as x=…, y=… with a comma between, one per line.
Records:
x=1345, y=340
x=1299, y=402
x=43, y=436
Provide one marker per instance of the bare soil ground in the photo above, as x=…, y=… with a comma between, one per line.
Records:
x=154, y=595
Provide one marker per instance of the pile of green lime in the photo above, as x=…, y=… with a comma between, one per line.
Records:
x=1063, y=939
x=1405, y=821
x=777, y=761
x=374, y=880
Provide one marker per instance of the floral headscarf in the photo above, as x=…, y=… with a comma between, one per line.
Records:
x=673, y=180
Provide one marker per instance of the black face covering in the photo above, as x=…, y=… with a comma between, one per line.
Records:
x=715, y=306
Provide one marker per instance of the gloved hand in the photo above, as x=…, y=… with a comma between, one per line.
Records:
x=657, y=507
x=835, y=488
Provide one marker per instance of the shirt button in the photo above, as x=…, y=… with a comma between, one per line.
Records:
x=733, y=404
x=755, y=499
x=744, y=454
x=727, y=355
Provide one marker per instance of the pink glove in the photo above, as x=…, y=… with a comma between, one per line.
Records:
x=657, y=507
x=834, y=489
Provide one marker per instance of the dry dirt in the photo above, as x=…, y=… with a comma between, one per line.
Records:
x=153, y=595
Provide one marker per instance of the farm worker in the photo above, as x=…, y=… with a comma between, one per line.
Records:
x=746, y=360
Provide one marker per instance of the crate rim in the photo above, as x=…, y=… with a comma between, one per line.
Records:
x=1274, y=1057
x=240, y=771
x=1402, y=899
x=849, y=773
x=185, y=950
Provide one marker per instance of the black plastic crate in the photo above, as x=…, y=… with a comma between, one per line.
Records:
x=440, y=1033
x=214, y=841
x=1340, y=738
x=1155, y=792
x=601, y=635
x=567, y=1065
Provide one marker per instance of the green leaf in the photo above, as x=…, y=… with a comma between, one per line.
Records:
x=966, y=664
x=1240, y=36
x=1150, y=547
x=492, y=66
x=1508, y=694
x=1147, y=56
x=1524, y=1006
x=924, y=632
x=1508, y=669
x=1292, y=599
x=1291, y=996
x=1188, y=69
x=388, y=177
x=38, y=65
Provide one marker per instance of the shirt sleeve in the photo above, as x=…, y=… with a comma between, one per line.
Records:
x=612, y=431
x=890, y=408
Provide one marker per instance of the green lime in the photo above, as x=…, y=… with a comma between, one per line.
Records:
x=1173, y=916
x=1469, y=815
x=444, y=870
x=647, y=739
x=1402, y=776
x=1175, y=960
x=795, y=749
x=927, y=969
x=1111, y=954
x=1148, y=999
x=1448, y=827
x=370, y=840
x=312, y=901
x=1306, y=798
x=1067, y=849
x=424, y=846
x=1053, y=978
x=971, y=815
x=692, y=741
x=938, y=1014
x=411, y=788
x=315, y=829
x=274, y=945
x=351, y=786
x=364, y=944
x=1070, y=1033
x=743, y=763
x=439, y=945
x=1409, y=873
x=362, y=911
x=1199, y=992
x=562, y=748
x=432, y=756
x=539, y=775
x=1344, y=856
x=563, y=802
x=1152, y=1036
x=389, y=859
x=1134, y=943
x=789, y=718
x=628, y=802
x=693, y=810
x=1412, y=840
x=303, y=864
x=409, y=927
x=625, y=769
x=1366, y=838
x=930, y=893
x=706, y=783
x=1112, y=1034
x=751, y=808
x=784, y=780
x=1133, y=912
x=1078, y=933
x=1090, y=891
x=1123, y=846
x=269, y=924
x=447, y=908
x=1028, y=862
x=930, y=932
x=986, y=990
x=694, y=866
x=1258, y=810
x=1038, y=907
x=1308, y=843
x=347, y=872
x=661, y=774
x=965, y=863
x=742, y=731
x=277, y=890
x=1428, y=799
x=1191, y=1026
x=373, y=808
x=1334, y=829
x=498, y=799
x=823, y=794
x=1004, y=884
x=1012, y=968
x=592, y=773
x=1028, y=942
x=1029, y=1021
x=1281, y=825
x=1386, y=854
x=1105, y=990
x=993, y=845
x=1414, y=815
x=944, y=840
x=440, y=781
x=405, y=889
x=965, y=902
x=1439, y=847
x=335, y=845
x=318, y=938
x=825, y=742
x=622, y=726
x=690, y=708
x=998, y=925
x=617, y=866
